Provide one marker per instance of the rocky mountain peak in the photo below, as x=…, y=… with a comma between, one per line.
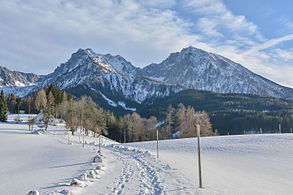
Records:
x=113, y=78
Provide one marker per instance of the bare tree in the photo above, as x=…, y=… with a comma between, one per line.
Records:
x=190, y=130
x=167, y=132
x=203, y=119
x=41, y=100
x=31, y=123
x=181, y=118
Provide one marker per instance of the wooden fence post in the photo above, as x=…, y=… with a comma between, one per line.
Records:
x=124, y=135
x=198, y=152
x=99, y=144
x=67, y=136
x=83, y=138
x=157, y=143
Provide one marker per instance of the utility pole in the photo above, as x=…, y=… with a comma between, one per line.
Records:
x=198, y=152
x=157, y=143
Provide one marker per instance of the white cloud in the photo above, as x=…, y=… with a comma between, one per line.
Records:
x=36, y=36
x=215, y=19
x=285, y=55
x=270, y=43
x=45, y=31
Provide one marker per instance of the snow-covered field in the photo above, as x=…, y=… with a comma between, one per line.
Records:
x=43, y=162
x=246, y=164
x=250, y=164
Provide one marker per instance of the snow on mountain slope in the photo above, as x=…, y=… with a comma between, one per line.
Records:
x=19, y=79
x=18, y=83
x=119, y=80
x=246, y=164
x=111, y=75
x=197, y=69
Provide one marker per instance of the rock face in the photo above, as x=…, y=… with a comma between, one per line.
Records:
x=116, y=80
x=13, y=78
x=111, y=77
x=197, y=69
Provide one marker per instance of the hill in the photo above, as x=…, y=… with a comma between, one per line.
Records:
x=233, y=113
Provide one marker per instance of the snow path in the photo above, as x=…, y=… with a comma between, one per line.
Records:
x=139, y=172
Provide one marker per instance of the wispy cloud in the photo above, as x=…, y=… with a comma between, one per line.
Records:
x=35, y=32
x=36, y=35
x=270, y=43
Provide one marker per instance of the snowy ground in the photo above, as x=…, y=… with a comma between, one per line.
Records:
x=44, y=162
x=250, y=164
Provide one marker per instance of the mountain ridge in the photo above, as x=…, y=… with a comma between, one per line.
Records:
x=116, y=79
x=212, y=72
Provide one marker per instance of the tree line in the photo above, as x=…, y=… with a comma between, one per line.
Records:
x=37, y=101
x=85, y=115
x=230, y=113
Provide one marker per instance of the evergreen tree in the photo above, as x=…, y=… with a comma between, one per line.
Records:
x=11, y=102
x=3, y=107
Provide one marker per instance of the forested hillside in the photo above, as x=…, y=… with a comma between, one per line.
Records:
x=233, y=113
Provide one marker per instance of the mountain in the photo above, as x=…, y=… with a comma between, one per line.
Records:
x=114, y=82
x=16, y=82
x=112, y=77
x=197, y=69
x=13, y=78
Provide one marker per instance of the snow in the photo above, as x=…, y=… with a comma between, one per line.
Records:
x=46, y=163
x=100, y=60
x=41, y=162
x=248, y=164
x=110, y=102
x=123, y=105
x=19, y=84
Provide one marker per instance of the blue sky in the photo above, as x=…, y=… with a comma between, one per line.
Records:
x=37, y=36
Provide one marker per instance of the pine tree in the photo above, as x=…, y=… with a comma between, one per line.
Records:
x=3, y=107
